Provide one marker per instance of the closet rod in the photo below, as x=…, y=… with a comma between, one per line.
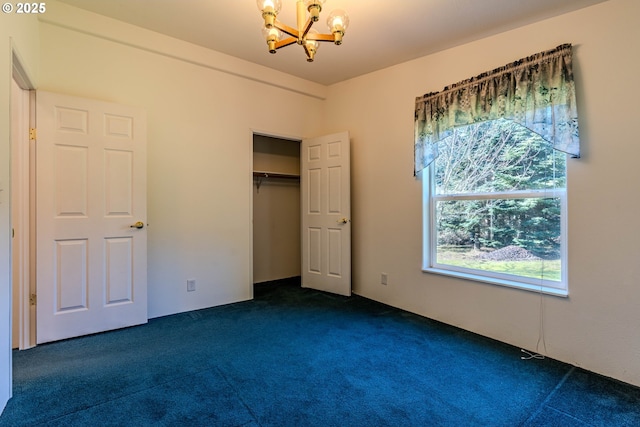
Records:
x=261, y=175
x=275, y=175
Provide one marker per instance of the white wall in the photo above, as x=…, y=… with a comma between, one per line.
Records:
x=200, y=143
x=19, y=34
x=598, y=326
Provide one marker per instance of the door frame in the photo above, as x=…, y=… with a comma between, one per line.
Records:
x=24, y=193
x=268, y=134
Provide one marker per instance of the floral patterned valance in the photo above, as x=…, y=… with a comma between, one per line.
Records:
x=537, y=92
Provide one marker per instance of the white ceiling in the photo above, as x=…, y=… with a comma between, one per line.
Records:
x=381, y=33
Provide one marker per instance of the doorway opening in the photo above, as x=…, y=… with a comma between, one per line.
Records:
x=276, y=209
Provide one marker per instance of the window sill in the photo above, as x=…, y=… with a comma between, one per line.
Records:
x=500, y=282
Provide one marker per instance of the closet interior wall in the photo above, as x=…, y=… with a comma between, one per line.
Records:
x=276, y=209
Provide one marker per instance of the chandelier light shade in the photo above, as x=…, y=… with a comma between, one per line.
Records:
x=279, y=35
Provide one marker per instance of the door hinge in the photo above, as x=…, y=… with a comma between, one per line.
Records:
x=32, y=134
x=33, y=299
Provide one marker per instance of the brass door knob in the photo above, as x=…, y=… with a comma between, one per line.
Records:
x=138, y=224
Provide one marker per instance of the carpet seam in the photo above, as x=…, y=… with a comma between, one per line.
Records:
x=548, y=398
x=568, y=415
x=95, y=405
x=238, y=395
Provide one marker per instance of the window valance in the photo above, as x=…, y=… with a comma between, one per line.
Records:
x=537, y=92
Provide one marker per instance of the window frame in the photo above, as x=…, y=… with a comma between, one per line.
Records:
x=429, y=238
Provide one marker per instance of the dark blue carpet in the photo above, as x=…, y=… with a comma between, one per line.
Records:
x=298, y=357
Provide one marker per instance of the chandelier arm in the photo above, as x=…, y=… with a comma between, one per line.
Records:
x=321, y=37
x=306, y=28
x=286, y=42
x=287, y=29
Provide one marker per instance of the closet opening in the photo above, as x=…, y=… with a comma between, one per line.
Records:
x=276, y=212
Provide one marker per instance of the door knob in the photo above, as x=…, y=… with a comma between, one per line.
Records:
x=138, y=224
x=343, y=221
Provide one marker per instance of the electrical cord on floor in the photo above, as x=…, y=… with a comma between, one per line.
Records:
x=530, y=355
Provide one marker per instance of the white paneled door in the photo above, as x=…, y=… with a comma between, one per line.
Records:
x=326, y=213
x=90, y=217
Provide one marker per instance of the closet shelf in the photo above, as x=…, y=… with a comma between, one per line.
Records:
x=261, y=175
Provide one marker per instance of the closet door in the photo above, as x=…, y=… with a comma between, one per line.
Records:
x=326, y=213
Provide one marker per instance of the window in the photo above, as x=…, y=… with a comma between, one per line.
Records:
x=495, y=208
x=494, y=178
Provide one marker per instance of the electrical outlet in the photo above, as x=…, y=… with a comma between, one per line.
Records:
x=191, y=285
x=384, y=278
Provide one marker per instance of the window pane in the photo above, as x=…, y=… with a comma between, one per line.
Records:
x=499, y=155
x=512, y=236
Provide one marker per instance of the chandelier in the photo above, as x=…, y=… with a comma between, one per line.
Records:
x=279, y=35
